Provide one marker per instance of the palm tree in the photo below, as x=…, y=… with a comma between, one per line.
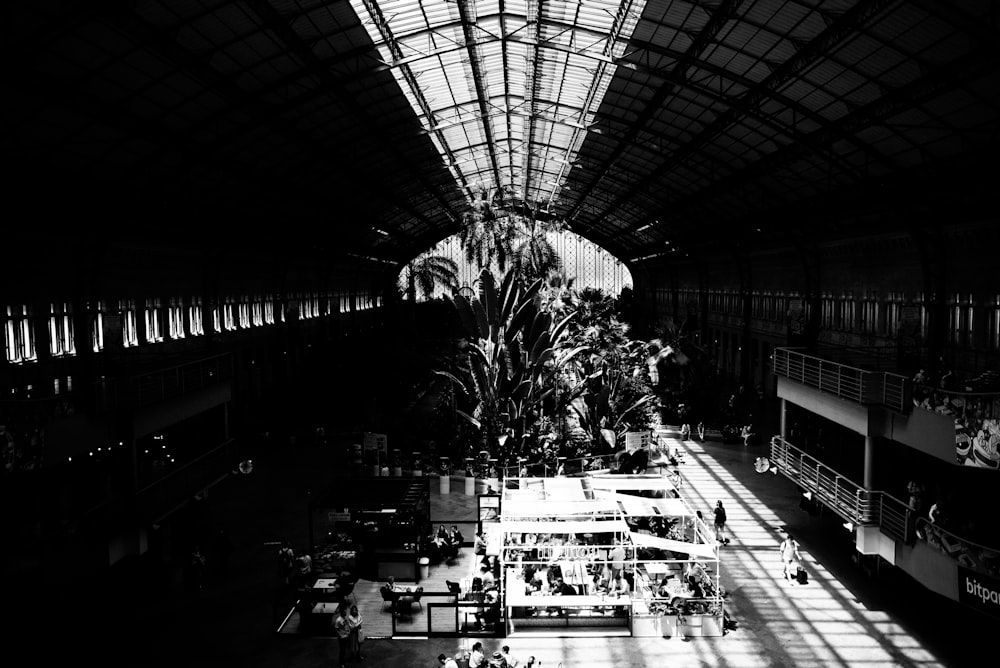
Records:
x=428, y=272
x=487, y=236
x=513, y=348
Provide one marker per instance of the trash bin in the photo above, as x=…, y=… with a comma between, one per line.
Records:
x=445, y=484
x=470, y=485
x=425, y=568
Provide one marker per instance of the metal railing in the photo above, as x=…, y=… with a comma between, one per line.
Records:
x=162, y=384
x=847, y=382
x=167, y=493
x=851, y=501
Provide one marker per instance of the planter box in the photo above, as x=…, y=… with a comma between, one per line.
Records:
x=654, y=626
x=701, y=626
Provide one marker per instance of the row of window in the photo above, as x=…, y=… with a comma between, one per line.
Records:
x=971, y=322
x=171, y=319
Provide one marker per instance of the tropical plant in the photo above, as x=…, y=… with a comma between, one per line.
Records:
x=512, y=351
x=487, y=237
x=425, y=273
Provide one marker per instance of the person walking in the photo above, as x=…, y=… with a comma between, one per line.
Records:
x=286, y=562
x=789, y=551
x=342, y=627
x=720, y=523
x=357, y=636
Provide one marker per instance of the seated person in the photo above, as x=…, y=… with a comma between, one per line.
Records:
x=600, y=583
x=489, y=613
x=486, y=575
x=479, y=545
x=696, y=577
x=561, y=588
x=620, y=586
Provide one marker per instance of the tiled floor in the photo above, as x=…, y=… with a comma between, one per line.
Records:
x=841, y=618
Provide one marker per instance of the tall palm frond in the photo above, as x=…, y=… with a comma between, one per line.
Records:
x=430, y=271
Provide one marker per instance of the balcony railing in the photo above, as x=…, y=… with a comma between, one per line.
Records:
x=851, y=501
x=847, y=382
x=175, y=381
x=162, y=496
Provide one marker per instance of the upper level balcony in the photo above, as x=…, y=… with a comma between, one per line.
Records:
x=846, y=374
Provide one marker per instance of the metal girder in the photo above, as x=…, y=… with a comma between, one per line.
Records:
x=276, y=22
x=676, y=77
x=844, y=27
x=904, y=97
x=468, y=21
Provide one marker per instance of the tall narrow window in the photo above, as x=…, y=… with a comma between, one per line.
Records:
x=195, y=323
x=216, y=318
x=257, y=314
x=61, y=330
x=269, y=310
x=96, y=310
x=130, y=330
x=19, y=335
x=970, y=321
x=244, y=312
x=228, y=318
x=993, y=341
x=152, y=315
x=175, y=318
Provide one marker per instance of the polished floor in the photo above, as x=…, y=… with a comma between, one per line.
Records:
x=151, y=617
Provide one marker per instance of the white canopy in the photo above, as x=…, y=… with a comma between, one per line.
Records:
x=641, y=506
x=516, y=508
x=571, y=526
x=630, y=482
x=694, y=549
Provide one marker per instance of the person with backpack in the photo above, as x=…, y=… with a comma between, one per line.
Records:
x=286, y=562
x=720, y=523
x=789, y=550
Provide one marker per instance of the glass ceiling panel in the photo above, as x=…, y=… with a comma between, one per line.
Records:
x=507, y=98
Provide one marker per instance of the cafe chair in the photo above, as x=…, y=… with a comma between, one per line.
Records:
x=416, y=597
x=387, y=597
x=453, y=587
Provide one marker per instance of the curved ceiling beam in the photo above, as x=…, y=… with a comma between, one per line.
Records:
x=676, y=77
x=472, y=48
x=274, y=21
x=947, y=77
x=844, y=27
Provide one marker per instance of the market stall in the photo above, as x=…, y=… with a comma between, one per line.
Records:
x=372, y=527
x=566, y=540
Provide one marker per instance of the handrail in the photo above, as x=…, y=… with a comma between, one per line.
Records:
x=847, y=382
x=848, y=499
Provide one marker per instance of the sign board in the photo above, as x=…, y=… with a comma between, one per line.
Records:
x=377, y=442
x=979, y=591
x=339, y=515
x=636, y=440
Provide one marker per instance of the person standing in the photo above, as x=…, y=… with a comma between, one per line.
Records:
x=720, y=523
x=286, y=562
x=789, y=550
x=342, y=627
x=197, y=566
x=617, y=559
x=357, y=636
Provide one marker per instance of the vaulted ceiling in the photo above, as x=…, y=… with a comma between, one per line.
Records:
x=368, y=126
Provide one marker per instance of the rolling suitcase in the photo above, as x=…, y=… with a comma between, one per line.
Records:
x=801, y=576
